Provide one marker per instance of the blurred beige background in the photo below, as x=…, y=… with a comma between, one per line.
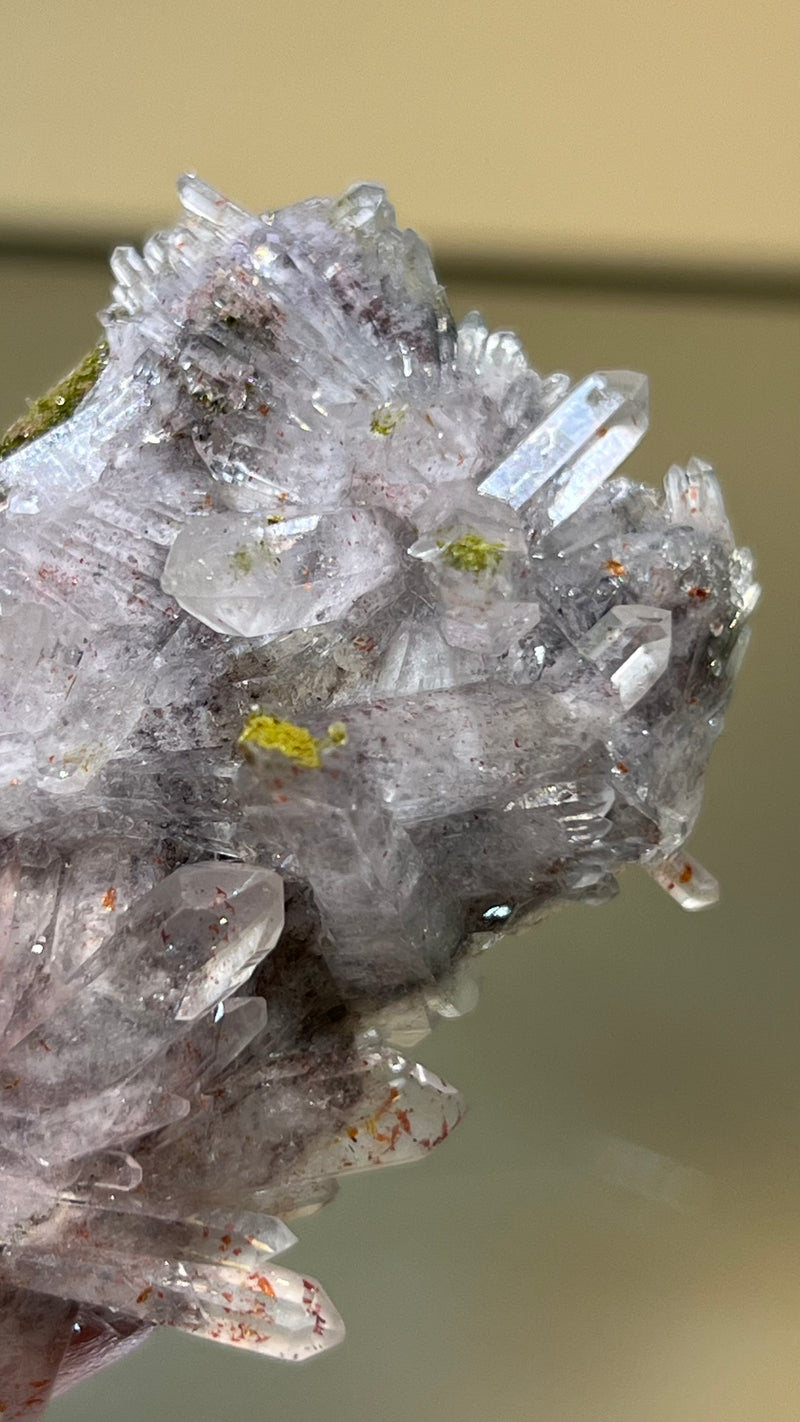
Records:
x=612, y=1234
x=661, y=131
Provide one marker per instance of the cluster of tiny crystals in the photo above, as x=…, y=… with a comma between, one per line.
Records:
x=333, y=646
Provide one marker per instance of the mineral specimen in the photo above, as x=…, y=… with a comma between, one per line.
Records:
x=332, y=645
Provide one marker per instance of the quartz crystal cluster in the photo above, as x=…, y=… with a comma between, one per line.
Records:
x=333, y=644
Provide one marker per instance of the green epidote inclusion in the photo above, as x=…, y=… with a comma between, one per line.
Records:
x=57, y=404
x=386, y=419
x=473, y=554
x=242, y=560
x=245, y=558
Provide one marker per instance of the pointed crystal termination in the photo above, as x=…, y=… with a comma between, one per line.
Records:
x=194, y=1276
x=405, y=1113
x=192, y=941
x=632, y=643
x=555, y=468
x=686, y=881
x=205, y=203
x=694, y=498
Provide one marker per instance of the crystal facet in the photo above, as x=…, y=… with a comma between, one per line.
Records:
x=556, y=467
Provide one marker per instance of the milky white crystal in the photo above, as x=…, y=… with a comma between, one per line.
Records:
x=333, y=644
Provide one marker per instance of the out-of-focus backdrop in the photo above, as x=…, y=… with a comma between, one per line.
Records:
x=612, y=1234
x=588, y=128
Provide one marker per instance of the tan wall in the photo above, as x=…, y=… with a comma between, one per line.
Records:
x=667, y=130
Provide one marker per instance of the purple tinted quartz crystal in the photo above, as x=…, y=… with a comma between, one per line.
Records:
x=333, y=646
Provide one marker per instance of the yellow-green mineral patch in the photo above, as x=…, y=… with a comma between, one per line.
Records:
x=58, y=404
x=473, y=554
x=242, y=560
x=297, y=743
x=386, y=419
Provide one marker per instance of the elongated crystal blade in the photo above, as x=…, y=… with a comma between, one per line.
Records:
x=555, y=468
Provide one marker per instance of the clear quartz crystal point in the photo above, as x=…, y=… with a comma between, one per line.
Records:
x=261, y=578
x=199, y=1278
x=694, y=498
x=579, y=445
x=686, y=881
x=190, y=942
x=631, y=644
x=202, y=201
x=333, y=646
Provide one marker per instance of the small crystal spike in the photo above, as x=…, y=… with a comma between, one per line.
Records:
x=686, y=881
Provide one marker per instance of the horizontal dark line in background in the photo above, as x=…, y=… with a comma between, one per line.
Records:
x=636, y=277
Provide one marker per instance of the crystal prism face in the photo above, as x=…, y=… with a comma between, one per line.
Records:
x=334, y=644
x=251, y=578
x=636, y=642
x=481, y=580
x=556, y=467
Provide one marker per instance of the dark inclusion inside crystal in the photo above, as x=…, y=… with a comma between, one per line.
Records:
x=333, y=647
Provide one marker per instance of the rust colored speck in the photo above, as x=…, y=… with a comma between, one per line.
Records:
x=617, y=569
x=700, y=594
x=145, y=1294
x=403, y=1118
x=110, y=898
x=685, y=874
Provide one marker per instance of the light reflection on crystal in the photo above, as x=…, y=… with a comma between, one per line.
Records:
x=574, y=450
